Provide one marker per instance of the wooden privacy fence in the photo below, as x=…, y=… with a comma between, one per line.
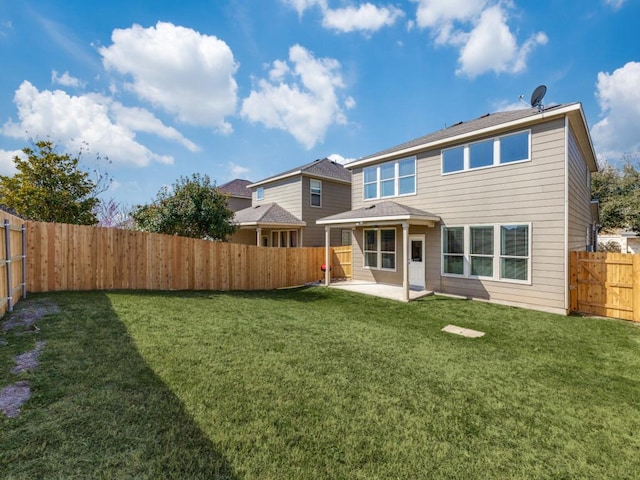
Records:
x=75, y=257
x=606, y=284
x=12, y=262
x=341, y=262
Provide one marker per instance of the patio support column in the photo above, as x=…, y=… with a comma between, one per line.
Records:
x=327, y=255
x=259, y=236
x=405, y=260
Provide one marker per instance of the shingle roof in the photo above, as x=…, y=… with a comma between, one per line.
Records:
x=461, y=128
x=237, y=188
x=267, y=213
x=322, y=168
x=381, y=210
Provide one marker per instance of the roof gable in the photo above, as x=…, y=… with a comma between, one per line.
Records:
x=322, y=168
x=485, y=125
x=266, y=213
x=237, y=188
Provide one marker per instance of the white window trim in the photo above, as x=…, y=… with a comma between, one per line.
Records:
x=396, y=179
x=496, y=154
x=497, y=255
x=259, y=193
x=278, y=234
x=379, y=251
x=311, y=193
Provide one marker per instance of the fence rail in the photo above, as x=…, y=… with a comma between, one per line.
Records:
x=75, y=257
x=606, y=284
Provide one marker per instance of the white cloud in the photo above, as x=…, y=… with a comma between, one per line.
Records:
x=336, y=157
x=7, y=165
x=107, y=126
x=185, y=73
x=492, y=46
x=481, y=31
x=302, y=5
x=615, y=4
x=237, y=170
x=306, y=106
x=619, y=98
x=367, y=17
x=65, y=80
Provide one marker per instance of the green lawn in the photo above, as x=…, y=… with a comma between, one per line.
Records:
x=320, y=383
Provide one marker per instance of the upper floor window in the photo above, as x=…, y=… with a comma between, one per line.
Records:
x=487, y=153
x=260, y=193
x=315, y=187
x=391, y=179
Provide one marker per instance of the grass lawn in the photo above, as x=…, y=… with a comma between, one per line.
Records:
x=320, y=383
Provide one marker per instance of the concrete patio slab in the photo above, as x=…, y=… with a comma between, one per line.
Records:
x=392, y=292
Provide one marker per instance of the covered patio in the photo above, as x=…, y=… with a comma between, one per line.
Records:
x=393, y=216
x=273, y=226
x=392, y=292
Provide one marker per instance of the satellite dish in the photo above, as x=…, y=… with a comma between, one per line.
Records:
x=538, y=95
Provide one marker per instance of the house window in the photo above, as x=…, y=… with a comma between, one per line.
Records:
x=390, y=179
x=380, y=248
x=487, y=153
x=284, y=238
x=481, y=251
x=315, y=187
x=346, y=238
x=514, y=252
x=260, y=193
x=472, y=251
x=453, y=250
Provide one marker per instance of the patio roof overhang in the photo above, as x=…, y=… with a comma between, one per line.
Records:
x=380, y=214
x=252, y=225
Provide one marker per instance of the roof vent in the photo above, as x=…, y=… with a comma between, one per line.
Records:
x=370, y=207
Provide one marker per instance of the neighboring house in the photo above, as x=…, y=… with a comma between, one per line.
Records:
x=238, y=192
x=629, y=242
x=284, y=208
x=485, y=209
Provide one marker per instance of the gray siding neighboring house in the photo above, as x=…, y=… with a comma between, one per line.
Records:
x=284, y=208
x=497, y=203
x=238, y=192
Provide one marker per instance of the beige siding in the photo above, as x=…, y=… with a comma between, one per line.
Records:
x=286, y=193
x=245, y=237
x=336, y=198
x=579, y=197
x=525, y=192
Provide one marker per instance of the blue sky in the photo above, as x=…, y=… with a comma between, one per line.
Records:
x=250, y=88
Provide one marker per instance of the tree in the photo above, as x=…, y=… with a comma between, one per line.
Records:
x=49, y=187
x=618, y=191
x=192, y=208
x=111, y=213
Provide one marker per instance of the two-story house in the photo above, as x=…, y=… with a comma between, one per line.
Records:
x=238, y=194
x=284, y=208
x=486, y=209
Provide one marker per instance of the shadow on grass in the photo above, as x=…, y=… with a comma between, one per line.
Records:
x=98, y=410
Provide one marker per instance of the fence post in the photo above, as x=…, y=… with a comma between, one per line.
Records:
x=636, y=287
x=23, y=230
x=7, y=245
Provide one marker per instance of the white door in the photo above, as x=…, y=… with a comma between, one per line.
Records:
x=416, y=261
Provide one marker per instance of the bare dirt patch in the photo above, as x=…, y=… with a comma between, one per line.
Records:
x=28, y=361
x=13, y=397
x=29, y=313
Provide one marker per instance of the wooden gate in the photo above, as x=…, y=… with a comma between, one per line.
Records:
x=606, y=284
x=342, y=262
